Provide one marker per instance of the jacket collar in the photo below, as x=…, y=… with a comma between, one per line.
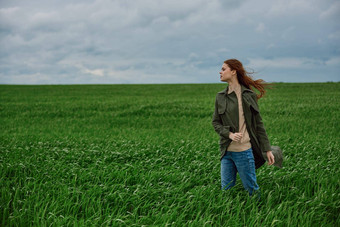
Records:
x=243, y=89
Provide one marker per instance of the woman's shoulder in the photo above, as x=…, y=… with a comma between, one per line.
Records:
x=249, y=92
x=224, y=91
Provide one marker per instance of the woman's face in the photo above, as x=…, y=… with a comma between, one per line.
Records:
x=226, y=74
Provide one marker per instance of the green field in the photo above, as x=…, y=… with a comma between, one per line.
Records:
x=133, y=155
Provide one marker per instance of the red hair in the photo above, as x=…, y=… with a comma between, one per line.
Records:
x=244, y=77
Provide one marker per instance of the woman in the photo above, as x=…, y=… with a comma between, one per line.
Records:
x=238, y=122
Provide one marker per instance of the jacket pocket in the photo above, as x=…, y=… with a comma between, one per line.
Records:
x=221, y=106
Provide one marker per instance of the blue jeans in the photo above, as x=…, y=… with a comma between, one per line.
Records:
x=243, y=163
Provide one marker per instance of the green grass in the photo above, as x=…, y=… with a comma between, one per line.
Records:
x=133, y=155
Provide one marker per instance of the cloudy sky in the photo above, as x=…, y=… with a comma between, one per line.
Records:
x=173, y=41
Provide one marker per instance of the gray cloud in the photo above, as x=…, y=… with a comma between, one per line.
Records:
x=148, y=41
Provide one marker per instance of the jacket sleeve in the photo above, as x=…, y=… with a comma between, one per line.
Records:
x=221, y=129
x=260, y=130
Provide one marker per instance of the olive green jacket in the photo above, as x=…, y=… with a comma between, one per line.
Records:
x=226, y=119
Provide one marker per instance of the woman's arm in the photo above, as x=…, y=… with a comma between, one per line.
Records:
x=260, y=130
x=262, y=135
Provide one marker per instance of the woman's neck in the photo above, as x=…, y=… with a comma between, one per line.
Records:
x=233, y=83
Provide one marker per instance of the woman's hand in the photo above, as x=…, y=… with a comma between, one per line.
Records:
x=270, y=157
x=235, y=136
